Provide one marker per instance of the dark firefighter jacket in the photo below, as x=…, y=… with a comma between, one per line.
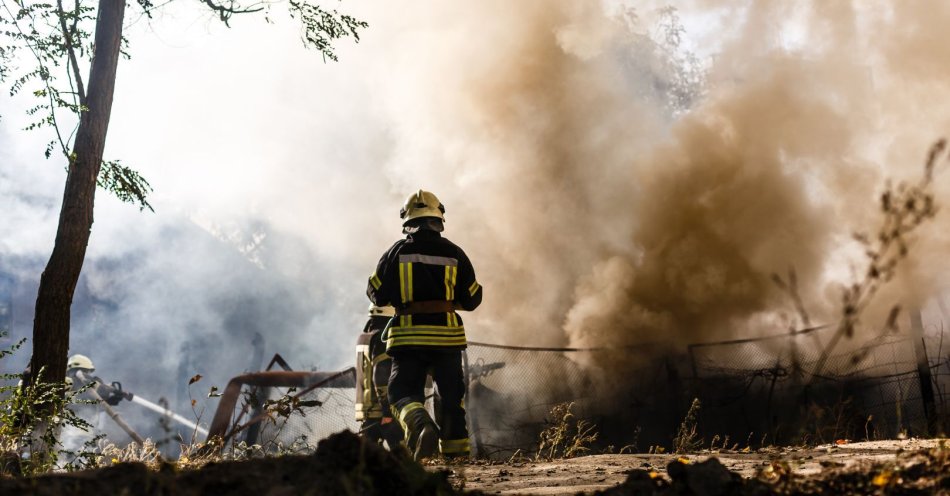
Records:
x=425, y=267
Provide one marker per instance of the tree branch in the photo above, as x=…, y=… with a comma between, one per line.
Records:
x=225, y=13
x=70, y=50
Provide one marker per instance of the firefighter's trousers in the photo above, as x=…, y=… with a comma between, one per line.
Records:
x=407, y=395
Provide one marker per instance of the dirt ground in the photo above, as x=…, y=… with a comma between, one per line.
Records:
x=590, y=474
x=343, y=464
x=346, y=464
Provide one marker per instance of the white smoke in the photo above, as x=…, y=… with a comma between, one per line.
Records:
x=598, y=204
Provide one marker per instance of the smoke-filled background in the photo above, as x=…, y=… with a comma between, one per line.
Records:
x=617, y=175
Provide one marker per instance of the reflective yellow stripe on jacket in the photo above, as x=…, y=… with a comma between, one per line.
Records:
x=405, y=281
x=451, y=272
x=426, y=333
x=425, y=336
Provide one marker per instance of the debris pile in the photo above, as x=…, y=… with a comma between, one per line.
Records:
x=708, y=478
x=910, y=473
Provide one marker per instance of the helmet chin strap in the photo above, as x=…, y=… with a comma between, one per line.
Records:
x=424, y=223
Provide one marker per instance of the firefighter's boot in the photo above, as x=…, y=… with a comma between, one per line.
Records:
x=428, y=445
x=422, y=435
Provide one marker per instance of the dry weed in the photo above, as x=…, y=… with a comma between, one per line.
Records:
x=687, y=439
x=146, y=453
x=904, y=208
x=565, y=436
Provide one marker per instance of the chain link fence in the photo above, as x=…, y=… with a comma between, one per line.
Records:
x=780, y=388
x=511, y=391
x=752, y=392
x=319, y=413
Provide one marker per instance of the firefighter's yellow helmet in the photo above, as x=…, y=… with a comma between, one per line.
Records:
x=79, y=362
x=387, y=311
x=422, y=204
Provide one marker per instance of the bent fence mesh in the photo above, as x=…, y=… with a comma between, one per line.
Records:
x=755, y=391
x=774, y=386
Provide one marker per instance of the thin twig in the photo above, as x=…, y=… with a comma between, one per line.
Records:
x=70, y=49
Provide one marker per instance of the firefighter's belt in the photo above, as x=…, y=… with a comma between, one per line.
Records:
x=428, y=306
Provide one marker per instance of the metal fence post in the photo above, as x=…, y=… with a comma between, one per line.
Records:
x=923, y=371
x=474, y=432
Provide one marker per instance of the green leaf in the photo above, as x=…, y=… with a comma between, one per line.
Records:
x=125, y=183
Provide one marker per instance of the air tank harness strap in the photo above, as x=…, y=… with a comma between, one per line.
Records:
x=426, y=306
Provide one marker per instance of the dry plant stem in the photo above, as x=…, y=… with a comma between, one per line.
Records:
x=565, y=438
x=146, y=452
x=686, y=437
x=791, y=288
x=905, y=209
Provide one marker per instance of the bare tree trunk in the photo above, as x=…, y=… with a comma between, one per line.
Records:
x=55, y=297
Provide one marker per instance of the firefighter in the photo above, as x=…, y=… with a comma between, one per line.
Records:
x=79, y=373
x=427, y=278
x=79, y=369
x=77, y=440
x=373, y=367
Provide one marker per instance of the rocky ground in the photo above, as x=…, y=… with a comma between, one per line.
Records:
x=344, y=464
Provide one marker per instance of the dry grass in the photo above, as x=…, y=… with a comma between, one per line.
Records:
x=146, y=453
x=687, y=439
x=566, y=436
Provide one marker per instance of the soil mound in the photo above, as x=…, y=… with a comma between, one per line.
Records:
x=343, y=464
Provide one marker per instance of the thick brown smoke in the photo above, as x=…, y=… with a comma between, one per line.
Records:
x=599, y=211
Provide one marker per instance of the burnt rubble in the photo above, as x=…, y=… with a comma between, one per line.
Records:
x=911, y=473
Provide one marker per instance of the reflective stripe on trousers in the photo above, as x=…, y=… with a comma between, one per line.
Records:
x=412, y=416
x=455, y=446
